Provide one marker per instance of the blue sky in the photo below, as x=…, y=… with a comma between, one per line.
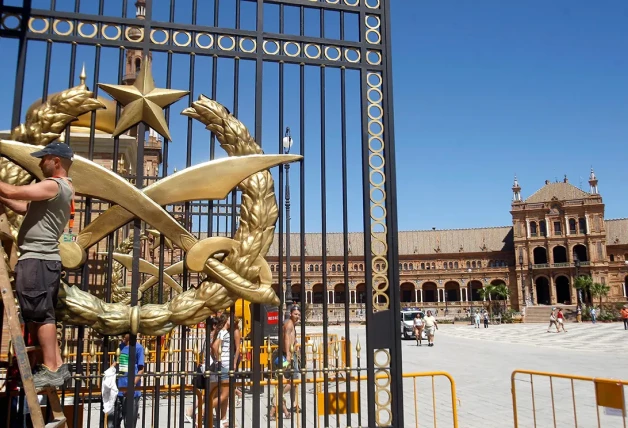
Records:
x=482, y=90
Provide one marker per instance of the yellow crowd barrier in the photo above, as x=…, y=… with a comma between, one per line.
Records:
x=420, y=394
x=561, y=400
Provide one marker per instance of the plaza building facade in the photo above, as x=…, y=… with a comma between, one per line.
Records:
x=557, y=234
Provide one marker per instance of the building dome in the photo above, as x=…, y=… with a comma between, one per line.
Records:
x=105, y=118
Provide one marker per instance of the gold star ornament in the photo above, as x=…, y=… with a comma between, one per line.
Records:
x=143, y=102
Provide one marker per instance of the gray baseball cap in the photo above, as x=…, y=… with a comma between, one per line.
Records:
x=56, y=148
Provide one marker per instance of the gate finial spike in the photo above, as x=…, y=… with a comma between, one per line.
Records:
x=83, y=75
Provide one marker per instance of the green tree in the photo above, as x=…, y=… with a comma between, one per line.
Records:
x=599, y=290
x=583, y=284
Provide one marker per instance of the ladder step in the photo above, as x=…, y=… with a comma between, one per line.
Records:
x=56, y=423
x=32, y=348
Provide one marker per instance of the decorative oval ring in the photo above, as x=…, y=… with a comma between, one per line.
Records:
x=285, y=49
x=384, y=230
x=355, y=3
x=33, y=20
x=328, y=48
x=382, y=161
x=318, y=51
x=103, y=30
x=383, y=263
x=79, y=28
x=378, y=218
x=372, y=146
x=388, y=418
x=372, y=27
x=375, y=133
x=381, y=306
x=333, y=1
x=185, y=33
x=266, y=43
x=378, y=200
x=372, y=173
x=164, y=32
x=202, y=46
x=377, y=33
x=375, y=6
x=127, y=33
x=11, y=15
x=374, y=85
x=370, y=97
x=56, y=23
x=353, y=61
x=380, y=113
x=247, y=39
x=227, y=48
x=378, y=61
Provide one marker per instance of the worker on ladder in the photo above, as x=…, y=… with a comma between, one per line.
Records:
x=48, y=206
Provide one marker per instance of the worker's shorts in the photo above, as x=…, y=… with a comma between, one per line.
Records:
x=37, y=286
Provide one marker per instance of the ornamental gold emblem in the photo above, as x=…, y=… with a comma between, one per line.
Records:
x=231, y=268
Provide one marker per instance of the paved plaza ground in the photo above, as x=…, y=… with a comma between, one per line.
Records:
x=481, y=362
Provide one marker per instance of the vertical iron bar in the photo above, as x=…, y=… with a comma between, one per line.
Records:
x=44, y=94
x=324, y=233
x=302, y=224
x=21, y=64
x=345, y=222
x=256, y=324
x=396, y=369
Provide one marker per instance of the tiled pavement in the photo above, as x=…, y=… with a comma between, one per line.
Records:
x=481, y=362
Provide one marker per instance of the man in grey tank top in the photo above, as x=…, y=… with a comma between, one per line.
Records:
x=47, y=206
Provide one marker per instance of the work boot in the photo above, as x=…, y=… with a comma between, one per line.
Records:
x=45, y=378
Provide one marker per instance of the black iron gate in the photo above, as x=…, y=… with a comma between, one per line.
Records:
x=316, y=72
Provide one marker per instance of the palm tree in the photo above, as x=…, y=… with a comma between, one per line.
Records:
x=599, y=290
x=502, y=290
x=583, y=284
x=485, y=294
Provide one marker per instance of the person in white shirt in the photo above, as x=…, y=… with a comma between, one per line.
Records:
x=430, y=325
x=477, y=319
x=418, y=328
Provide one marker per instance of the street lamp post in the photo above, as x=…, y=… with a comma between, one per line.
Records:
x=287, y=144
x=531, y=278
x=470, y=296
x=523, y=284
x=576, y=263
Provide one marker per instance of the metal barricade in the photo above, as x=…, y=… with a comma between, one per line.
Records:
x=429, y=401
x=562, y=400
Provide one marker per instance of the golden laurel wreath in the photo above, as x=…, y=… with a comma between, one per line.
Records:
x=234, y=268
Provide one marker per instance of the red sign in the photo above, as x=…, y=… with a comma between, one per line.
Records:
x=273, y=317
x=201, y=325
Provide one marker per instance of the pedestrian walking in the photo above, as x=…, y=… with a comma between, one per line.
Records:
x=579, y=314
x=624, y=316
x=430, y=326
x=560, y=320
x=593, y=314
x=485, y=319
x=418, y=328
x=477, y=319
x=122, y=365
x=553, y=321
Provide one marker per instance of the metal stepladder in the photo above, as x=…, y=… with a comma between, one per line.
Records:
x=21, y=355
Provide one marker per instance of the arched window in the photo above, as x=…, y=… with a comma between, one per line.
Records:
x=311, y=268
x=543, y=228
x=433, y=265
x=479, y=265
x=468, y=264
x=400, y=266
x=427, y=266
x=572, y=225
x=490, y=263
x=294, y=268
x=339, y=268
x=473, y=264
x=405, y=266
x=138, y=65
x=422, y=265
x=377, y=267
x=612, y=257
x=333, y=268
x=316, y=268
x=272, y=268
x=361, y=267
x=411, y=266
x=533, y=228
x=451, y=265
x=456, y=265
x=445, y=265
x=355, y=267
